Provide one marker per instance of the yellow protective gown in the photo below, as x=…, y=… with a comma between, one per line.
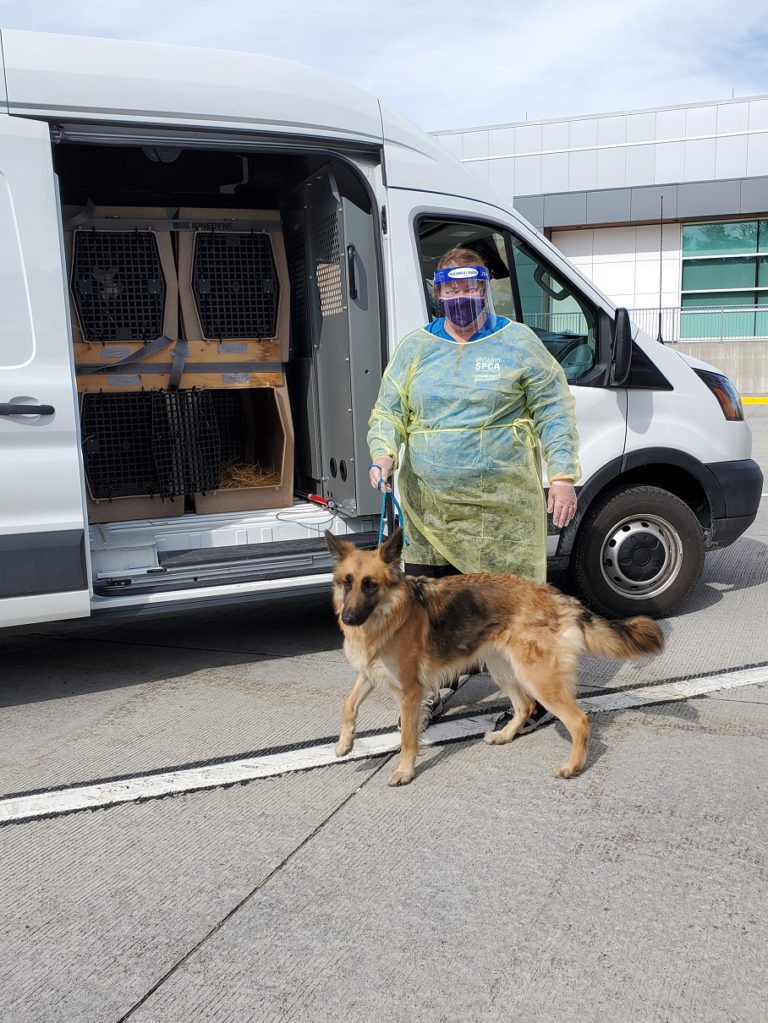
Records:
x=472, y=416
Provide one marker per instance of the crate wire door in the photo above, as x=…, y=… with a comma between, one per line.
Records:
x=337, y=337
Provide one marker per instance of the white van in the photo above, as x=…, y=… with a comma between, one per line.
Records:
x=206, y=261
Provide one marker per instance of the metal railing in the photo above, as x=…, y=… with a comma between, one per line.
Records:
x=711, y=323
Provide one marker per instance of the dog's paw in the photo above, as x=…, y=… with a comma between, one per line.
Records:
x=495, y=738
x=344, y=745
x=401, y=777
x=566, y=771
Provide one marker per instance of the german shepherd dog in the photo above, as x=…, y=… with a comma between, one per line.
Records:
x=422, y=632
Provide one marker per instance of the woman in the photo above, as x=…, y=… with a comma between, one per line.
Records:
x=472, y=396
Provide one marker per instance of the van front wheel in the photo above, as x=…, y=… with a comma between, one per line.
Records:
x=638, y=551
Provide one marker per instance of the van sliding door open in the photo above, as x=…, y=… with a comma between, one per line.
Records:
x=43, y=574
x=337, y=340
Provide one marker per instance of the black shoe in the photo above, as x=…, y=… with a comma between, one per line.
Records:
x=431, y=709
x=541, y=716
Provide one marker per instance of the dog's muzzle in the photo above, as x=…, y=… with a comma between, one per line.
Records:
x=355, y=617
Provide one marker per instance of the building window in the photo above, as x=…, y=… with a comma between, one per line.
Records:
x=725, y=280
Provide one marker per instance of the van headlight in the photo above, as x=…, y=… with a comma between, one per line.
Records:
x=726, y=394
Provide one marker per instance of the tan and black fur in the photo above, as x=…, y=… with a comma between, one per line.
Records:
x=419, y=632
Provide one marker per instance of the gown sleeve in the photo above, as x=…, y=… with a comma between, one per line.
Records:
x=553, y=411
x=388, y=424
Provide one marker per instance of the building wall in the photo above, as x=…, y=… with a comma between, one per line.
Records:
x=701, y=142
x=628, y=263
x=606, y=187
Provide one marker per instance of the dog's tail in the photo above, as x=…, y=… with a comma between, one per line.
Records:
x=633, y=637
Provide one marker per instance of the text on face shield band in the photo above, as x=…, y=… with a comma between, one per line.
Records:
x=461, y=273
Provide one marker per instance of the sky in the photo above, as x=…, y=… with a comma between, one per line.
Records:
x=451, y=64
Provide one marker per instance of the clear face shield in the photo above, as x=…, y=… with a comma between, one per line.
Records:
x=464, y=295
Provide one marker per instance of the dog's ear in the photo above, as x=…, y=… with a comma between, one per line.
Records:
x=392, y=549
x=339, y=548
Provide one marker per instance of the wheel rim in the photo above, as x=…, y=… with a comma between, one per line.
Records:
x=641, y=556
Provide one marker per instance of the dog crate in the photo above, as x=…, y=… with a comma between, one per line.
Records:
x=233, y=285
x=145, y=452
x=128, y=461
x=123, y=290
x=256, y=449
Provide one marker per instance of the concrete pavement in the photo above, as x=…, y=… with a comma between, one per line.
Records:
x=487, y=890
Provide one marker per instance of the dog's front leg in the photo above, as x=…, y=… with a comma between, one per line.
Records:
x=411, y=695
x=362, y=687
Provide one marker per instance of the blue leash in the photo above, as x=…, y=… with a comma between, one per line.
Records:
x=399, y=520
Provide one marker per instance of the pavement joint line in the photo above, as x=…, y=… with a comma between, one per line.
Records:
x=494, y=707
x=254, y=891
x=108, y=640
x=139, y=788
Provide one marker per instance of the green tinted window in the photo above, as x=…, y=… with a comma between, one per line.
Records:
x=720, y=298
x=717, y=260
x=718, y=273
x=714, y=239
x=724, y=314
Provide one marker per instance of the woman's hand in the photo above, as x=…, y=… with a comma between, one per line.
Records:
x=561, y=503
x=380, y=471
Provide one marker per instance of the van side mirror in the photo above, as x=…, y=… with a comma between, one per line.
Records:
x=621, y=349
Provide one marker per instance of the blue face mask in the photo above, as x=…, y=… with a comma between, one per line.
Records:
x=462, y=310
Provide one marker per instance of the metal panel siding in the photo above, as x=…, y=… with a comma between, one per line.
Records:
x=474, y=144
x=640, y=165
x=732, y=117
x=699, y=159
x=554, y=172
x=646, y=203
x=532, y=208
x=609, y=207
x=754, y=194
x=641, y=127
x=708, y=198
x=37, y=563
x=567, y=208
x=670, y=162
x=758, y=114
x=757, y=154
x=731, y=157
x=612, y=167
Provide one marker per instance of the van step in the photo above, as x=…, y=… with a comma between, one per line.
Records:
x=211, y=566
x=256, y=551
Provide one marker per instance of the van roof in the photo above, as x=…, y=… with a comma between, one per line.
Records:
x=86, y=78
x=135, y=85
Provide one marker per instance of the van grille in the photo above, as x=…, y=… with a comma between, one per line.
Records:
x=118, y=285
x=234, y=281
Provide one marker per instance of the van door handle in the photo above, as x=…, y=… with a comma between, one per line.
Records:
x=352, y=280
x=7, y=409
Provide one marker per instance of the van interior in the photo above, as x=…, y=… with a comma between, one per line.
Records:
x=227, y=343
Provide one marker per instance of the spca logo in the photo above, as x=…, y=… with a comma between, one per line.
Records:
x=487, y=369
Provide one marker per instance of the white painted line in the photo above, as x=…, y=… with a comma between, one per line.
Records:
x=129, y=790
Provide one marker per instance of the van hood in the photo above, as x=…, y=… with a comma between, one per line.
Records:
x=699, y=364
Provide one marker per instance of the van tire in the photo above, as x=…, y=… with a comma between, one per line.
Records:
x=662, y=545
